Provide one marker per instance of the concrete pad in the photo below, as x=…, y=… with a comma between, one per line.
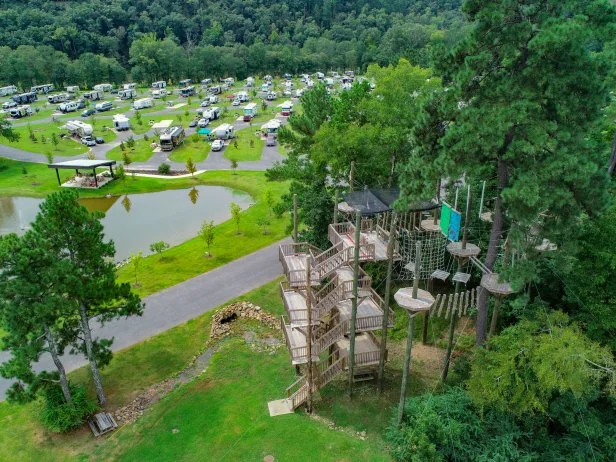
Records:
x=179, y=105
x=162, y=124
x=280, y=407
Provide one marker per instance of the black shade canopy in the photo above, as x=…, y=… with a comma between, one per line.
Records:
x=375, y=201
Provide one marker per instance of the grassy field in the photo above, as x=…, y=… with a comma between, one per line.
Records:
x=221, y=415
x=244, y=151
x=141, y=152
x=194, y=146
x=188, y=259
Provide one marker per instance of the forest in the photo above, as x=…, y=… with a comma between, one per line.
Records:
x=86, y=42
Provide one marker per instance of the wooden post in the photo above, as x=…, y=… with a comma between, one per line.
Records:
x=452, y=329
x=295, y=217
x=466, y=217
x=336, y=208
x=438, y=199
x=58, y=175
x=390, y=265
x=309, y=379
x=483, y=191
x=494, y=316
x=426, y=317
x=393, y=169
x=352, y=176
x=406, y=369
x=354, y=301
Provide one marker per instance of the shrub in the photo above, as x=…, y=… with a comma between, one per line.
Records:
x=164, y=169
x=195, y=138
x=159, y=247
x=146, y=137
x=58, y=415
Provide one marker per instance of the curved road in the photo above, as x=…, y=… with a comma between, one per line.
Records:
x=178, y=304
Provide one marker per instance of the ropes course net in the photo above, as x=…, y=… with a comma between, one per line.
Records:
x=432, y=253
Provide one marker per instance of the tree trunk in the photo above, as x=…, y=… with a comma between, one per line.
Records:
x=87, y=334
x=611, y=168
x=51, y=342
x=492, y=253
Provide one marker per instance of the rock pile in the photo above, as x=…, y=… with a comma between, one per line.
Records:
x=221, y=321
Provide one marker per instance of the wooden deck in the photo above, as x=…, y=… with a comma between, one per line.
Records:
x=367, y=349
x=369, y=314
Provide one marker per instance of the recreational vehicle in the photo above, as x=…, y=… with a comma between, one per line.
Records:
x=171, y=138
x=8, y=91
x=129, y=86
x=184, y=83
x=320, y=75
x=70, y=106
x=159, y=84
x=267, y=78
x=127, y=93
x=206, y=82
x=143, y=103
x=188, y=91
x=21, y=111
x=213, y=99
x=271, y=127
x=104, y=106
x=121, y=122
x=250, y=111
x=212, y=113
x=103, y=87
x=286, y=108
x=58, y=98
x=94, y=95
x=79, y=128
x=159, y=93
x=223, y=132
x=250, y=82
x=229, y=81
x=215, y=90
x=271, y=96
x=72, y=89
x=44, y=89
x=25, y=98
x=242, y=96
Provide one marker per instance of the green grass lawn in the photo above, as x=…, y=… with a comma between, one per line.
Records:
x=244, y=151
x=194, y=146
x=221, y=415
x=141, y=152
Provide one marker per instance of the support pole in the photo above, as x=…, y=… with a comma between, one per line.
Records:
x=393, y=169
x=58, y=175
x=354, y=301
x=406, y=369
x=455, y=204
x=494, y=316
x=95, y=180
x=483, y=191
x=466, y=218
x=452, y=329
x=426, y=317
x=295, y=217
x=352, y=175
x=336, y=208
x=309, y=379
x=390, y=266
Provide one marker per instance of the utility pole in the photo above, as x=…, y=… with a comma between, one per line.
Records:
x=295, y=217
x=390, y=265
x=336, y=208
x=309, y=379
x=354, y=301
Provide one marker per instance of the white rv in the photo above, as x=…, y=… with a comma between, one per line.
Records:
x=271, y=127
x=127, y=93
x=223, y=132
x=286, y=108
x=129, y=86
x=243, y=97
x=142, y=103
x=72, y=89
x=70, y=106
x=250, y=82
x=77, y=127
x=104, y=106
x=44, y=89
x=94, y=95
x=171, y=138
x=58, y=98
x=121, y=122
x=21, y=111
x=8, y=91
x=159, y=93
x=250, y=111
x=159, y=84
x=103, y=87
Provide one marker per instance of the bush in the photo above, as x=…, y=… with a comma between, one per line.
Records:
x=195, y=138
x=58, y=415
x=146, y=137
x=164, y=169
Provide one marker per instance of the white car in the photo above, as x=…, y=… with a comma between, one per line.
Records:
x=205, y=103
x=9, y=104
x=217, y=145
x=88, y=141
x=236, y=102
x=203, y=122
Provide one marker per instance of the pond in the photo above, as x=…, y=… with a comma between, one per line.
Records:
x=135, y=221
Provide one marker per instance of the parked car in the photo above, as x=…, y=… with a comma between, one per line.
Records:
x=9, y=105
x=99, y=140
x=81, y=103
x=205, y=103
x=203, y=122
x=88, y=141
x=88, y=113
x=193, y=123
x=217, y=145
x=271, y=140
x=236, y=102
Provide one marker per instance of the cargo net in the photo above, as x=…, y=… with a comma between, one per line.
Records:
x=432, y=253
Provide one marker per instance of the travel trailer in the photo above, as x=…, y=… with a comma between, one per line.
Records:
x=103, y=87
x=105, y=106
x=127, y=93
x=21, y=111
x=72, y=89
x=79, y=128
x=271, y=127
x=94, y=95
x=242, y=96
x=171, y=138
x=286, y=108
x=188, y=91
x=8, y=90
x=184, y=83
x=58, y=98
x=44, y=89
x=250, y=82
x=212, y=113
x=121, y=122
x=159, y=93
x=250, y=111
x=70, y=106
x=25, y=98
x=215, y=90
x=159, y=84
x=206, y=82
x=213, y=99
x=129, y=86
x=143, y=103
x=223, y=132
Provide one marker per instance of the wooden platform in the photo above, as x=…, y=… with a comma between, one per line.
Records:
x=429, y=225
x=369, y=314
x=423, y=302
x=455, y=249
x=296, y=342
x=367, y=349
x=491, y=284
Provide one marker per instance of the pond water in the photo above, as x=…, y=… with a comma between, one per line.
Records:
x=135, y=221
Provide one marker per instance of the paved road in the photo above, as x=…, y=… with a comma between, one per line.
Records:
x=178, y=304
